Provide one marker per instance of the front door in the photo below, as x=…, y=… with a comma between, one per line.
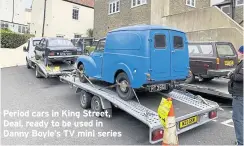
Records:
x=97, y=56
x=160, y=54
x=179, y=54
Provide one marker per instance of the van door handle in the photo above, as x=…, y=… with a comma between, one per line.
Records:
x=173, y=51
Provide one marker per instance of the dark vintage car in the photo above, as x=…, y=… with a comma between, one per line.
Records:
x=56, y=50
x=211, y=59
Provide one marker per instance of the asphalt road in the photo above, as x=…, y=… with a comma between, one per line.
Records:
x=20, y=90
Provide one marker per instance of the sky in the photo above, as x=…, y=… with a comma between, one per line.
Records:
x=28, y=2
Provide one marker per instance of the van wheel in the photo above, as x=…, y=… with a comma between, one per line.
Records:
x=85, y=99
x=190, y=78
x=81, y=74
x=124, y=91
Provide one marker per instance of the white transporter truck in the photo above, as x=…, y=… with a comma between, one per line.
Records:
x=41, y=66
x=191, y=111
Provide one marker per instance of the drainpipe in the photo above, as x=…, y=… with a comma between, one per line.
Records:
x=233, y=3
x=13, y=13
x=44, y=18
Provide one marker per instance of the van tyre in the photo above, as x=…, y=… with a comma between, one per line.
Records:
x=190, y=78
x=81, y=74
x=125, y=93
x=38, y=75
x=85, y=99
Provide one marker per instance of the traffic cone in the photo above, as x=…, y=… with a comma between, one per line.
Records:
x=170, y=136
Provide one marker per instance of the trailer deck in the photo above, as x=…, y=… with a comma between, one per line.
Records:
x=217, y=87
x=186, y=105
x=52, y=70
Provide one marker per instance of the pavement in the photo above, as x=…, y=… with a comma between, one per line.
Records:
x=22, y=91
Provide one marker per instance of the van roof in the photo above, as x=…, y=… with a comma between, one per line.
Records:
x=144, y=27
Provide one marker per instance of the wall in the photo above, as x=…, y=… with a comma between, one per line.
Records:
x=37, y=17
x=207, y=24
x=59, y=19
x=179, y=6
x=6, y=8
x=127, y=16
x=27, y=16
x=159, y=9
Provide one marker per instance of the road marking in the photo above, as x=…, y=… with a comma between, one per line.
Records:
x=215, y=120
x=226, y=123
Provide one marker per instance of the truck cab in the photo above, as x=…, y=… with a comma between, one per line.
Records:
x=135, y=57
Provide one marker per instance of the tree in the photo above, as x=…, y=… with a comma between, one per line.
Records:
x=89, y=32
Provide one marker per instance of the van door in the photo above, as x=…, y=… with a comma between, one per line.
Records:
x=179, y=54
x=160, y=54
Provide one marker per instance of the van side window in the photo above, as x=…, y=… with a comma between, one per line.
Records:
x=159, y=41
x=178, y=42
x=100, y=46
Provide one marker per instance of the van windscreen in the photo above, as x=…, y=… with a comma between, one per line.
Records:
x=225, y=50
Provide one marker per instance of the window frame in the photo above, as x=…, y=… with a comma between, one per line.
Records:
x=178, y=48
x=225, y=7
x=142, y=2
x=165, y=46
x=73, y=13
x=239, y=4
x=113, y=4
x=190, y=5
x=98, y=43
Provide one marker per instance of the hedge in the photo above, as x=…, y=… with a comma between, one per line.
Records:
x=11, y=39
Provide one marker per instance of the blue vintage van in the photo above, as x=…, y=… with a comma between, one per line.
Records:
x=135, y=57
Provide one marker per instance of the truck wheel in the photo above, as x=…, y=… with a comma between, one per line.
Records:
x=81, y=74
x=124, y=91
x=38, y=75
x=85, y=99
x=96, y=104
x=27, y=64
x=190, y=78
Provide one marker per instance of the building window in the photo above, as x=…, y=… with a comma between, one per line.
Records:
x=178, y=42
x=19, y=29
x=75, y=14
x=239, y=2
x=114, y=7
x=77, y=36
x=191, y=3
x=226, y=9
x=23, y=29
x=135, y=3
x=4, y=25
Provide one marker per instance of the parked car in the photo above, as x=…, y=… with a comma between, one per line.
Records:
x=31, y=44
x=142, y=56
x=55, y=50
x=211, y=59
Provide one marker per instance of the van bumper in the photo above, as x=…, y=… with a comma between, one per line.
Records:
x=220, y=72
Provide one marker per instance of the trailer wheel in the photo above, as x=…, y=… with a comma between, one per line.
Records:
x=38, y=75
x=81, y=74
x=27, y=64
x=124, y=91
x=85, y=99
x=190, y=78
x=96, y=104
